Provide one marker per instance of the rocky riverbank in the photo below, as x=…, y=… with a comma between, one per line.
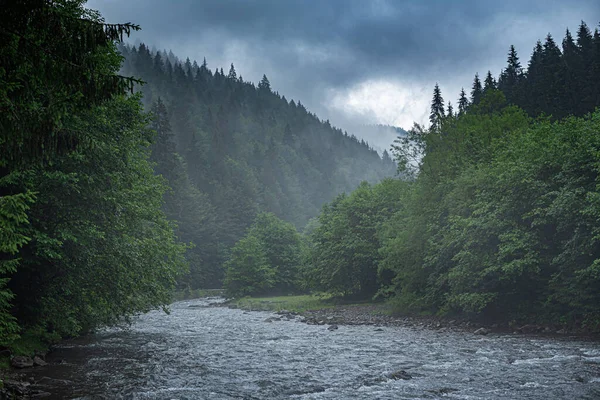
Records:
x=373, y=314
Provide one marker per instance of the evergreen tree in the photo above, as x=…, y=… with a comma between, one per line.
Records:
x=463, y=102
x=489, y=83
x=476, y=90
x=573, y=74
x=534, y=85
x=264, y=84
x=450, y=112
x=511, y=77
x=232, y=74
x=437, y=114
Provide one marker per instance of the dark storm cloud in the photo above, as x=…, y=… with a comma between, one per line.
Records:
x=307, y=47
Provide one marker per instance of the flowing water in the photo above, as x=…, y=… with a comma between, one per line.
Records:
x=203, y=352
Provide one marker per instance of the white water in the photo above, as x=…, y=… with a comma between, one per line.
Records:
x=200, y=352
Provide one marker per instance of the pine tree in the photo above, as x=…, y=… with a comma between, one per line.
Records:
x=476, y=90
x=437, y=109
x=264, y=84
x=552, y=100
x=511, y=77
x=585, y=74
x=573, y=75
x=489, y=83
x=450, y=112
x=232, y=74
x=534, y=88
x=463, y=102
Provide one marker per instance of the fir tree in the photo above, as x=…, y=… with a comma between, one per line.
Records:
x=437, y=109
x=232, y=74
x=476, y=90
x=489, y=83
x=463, y=102
x=450, y=111
x=264, y=84
x=511, y=77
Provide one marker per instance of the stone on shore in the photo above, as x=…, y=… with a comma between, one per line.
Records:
x=21, y=362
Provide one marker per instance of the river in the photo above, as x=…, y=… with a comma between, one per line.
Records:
x=203, y=352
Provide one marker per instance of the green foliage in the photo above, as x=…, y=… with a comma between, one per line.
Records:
x=106, y=249
x=242, y=149
x=247, y=271
x=83, y=241
x=344, y=258
x=266, y=260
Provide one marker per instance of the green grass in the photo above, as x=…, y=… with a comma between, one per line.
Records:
x=306, y=302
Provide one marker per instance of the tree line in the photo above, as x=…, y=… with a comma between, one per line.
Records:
x=497, y=213
x=83, y=239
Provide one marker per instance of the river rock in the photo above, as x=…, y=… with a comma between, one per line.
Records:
x=529, y=328
x=332, y=327
x=21, y=362
x=37, y=361
x=481, y=331
x=16, y=387
x=400, y=374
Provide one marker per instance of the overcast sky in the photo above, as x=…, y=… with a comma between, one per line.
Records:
x=354, y=61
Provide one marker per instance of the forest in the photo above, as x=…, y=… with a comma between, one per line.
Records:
x=496, y=216
x=126, y=175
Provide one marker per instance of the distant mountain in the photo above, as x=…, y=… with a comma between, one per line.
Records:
x=379, y=137
x=230, y=149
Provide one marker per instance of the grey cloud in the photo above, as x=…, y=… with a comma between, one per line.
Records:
x=309, y=46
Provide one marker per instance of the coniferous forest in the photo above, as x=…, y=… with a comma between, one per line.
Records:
x=125, y=175
x=498, y=217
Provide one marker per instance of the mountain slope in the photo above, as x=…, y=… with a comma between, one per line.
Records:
x=247, y=149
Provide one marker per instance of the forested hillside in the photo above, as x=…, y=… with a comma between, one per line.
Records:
x=83, y=239
x=500, y=215
x=230, y=149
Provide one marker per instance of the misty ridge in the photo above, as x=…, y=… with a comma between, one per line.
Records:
x=134, y=179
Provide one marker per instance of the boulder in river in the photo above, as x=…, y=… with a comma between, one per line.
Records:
x=21, y=362
x=37, y=361
x=332, y=328
x=400, y=374
x=482, y=331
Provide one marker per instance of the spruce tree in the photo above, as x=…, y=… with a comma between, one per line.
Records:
x=489, y=83
x=552, y=100
x=574, y=77
x=511, y=77
x=264, y=84
x=232, y=74
x=463, y=102
x=450, y=111
x=476, y=90
x=437, y=114
x=534, y=85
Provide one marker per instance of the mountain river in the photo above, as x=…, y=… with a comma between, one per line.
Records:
x=199, y=351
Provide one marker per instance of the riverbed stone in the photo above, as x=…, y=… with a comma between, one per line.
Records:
x=400, y=374
x=332, y=327
x=21, y=362
x=37, y=361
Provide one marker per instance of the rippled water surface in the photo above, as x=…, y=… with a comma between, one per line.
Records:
x=200, y=352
